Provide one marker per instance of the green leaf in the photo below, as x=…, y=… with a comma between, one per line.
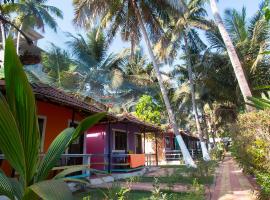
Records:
x=61, y=142
x=87, y=123
x=10, y=142
x=259, y=103
x=265, y=87
x=54, y=152
x=75, y=180
x=72, y=169
x=17, y=187
x=6, y=187
x=22, y=104
x=52, y=190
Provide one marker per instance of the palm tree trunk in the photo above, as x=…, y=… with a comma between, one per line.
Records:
x=238, y=70
x=3, y=35
x=206, y=156
x=3, y=41
x=186, y=155
x=18, y=39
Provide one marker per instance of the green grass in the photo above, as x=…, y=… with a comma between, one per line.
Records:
x=208, y=180
x=97, y=194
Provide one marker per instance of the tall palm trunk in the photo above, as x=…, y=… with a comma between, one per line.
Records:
x=3, y=41
x=19, y=39
x=238, y=70
x=206, y=156
x=186, y=155
x=3, y=35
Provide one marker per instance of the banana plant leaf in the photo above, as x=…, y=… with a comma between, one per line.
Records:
x=21, y=101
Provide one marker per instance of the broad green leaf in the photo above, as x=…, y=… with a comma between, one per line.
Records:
x=52, y=190
x=259, y=103
x=61, y=142
x=265, y=87
x=10, y=142
x=54, y=152
x=6, y=187
x=17, y=187
x=72, y=169
x=75, y=180
x=22, y=104
x=87, y=123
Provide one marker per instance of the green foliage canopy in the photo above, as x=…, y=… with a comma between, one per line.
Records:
x=147, y=110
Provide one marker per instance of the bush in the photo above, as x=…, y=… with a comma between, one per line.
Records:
x=251, y=146
x=217, y=153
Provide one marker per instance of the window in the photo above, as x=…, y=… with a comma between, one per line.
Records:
x=167, y=142
x=120, y=140
x=138, y=143
x=41, y=126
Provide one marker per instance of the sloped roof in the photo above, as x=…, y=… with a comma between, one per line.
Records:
x=146, y=126
x=183, y=132
x=45, y=92
x=48, y=93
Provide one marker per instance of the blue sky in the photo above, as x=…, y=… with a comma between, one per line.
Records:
x=66, y=25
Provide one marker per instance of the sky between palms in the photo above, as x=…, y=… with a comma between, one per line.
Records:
x=66, y=24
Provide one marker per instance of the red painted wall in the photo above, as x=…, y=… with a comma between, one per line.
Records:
x=57, y=118
x=95, y=144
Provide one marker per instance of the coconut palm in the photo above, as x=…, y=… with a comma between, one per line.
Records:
x=191, y=16
x=100, y=70
x=35, y=13
x=133, y=19
x=236, y=64
x=59, y=68
x=251, y=40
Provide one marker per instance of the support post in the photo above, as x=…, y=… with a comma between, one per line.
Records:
x=156, y=149
x=144, y=142
x=109, y=148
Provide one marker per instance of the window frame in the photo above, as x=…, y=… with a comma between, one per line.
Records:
x=122, y=131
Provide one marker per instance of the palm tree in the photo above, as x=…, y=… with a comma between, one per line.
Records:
x=56, y=62
x=101, y=71
x=236, y=64
x=251, y=40
x=35, y=13
x=191, y=16
x=132, y=18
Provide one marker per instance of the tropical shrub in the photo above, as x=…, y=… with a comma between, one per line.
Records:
x=20, y=140
x=251, y=146
x=217, y=153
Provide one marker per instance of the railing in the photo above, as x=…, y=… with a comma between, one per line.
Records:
x=175, y=155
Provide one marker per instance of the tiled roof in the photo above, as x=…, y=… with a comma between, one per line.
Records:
x=183, y=132
x=48, y=93
x=145, y=125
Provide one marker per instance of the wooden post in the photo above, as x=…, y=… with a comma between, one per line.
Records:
x=109, y=148
x=144, y=142
x=156, y=149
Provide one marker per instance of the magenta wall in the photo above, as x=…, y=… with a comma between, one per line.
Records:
x=95, y=144
x=97, y=140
